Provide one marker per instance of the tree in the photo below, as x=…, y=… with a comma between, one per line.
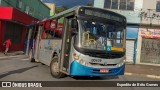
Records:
x=60, y=9
x=88, y=4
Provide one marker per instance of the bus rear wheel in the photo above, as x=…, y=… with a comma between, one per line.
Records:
x=54, y=68
x=30, y=56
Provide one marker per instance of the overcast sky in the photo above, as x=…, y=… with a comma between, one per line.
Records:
x=69, y=3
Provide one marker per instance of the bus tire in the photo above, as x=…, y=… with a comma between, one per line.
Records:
x=30, y=56
x=54, y=68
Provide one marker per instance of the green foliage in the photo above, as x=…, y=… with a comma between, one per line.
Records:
x=88, y=4
x=60, y=9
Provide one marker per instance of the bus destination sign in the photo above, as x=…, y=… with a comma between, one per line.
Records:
x=106, y=15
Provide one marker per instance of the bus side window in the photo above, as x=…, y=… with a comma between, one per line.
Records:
x=44, y=35
x=49, y=30
x=59, y=28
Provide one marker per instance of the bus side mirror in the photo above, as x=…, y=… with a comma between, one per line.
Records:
x=74, y=23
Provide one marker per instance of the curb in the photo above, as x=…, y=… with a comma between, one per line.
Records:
x=143, y=75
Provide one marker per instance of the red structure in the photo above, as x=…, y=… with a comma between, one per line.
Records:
x=13, y=25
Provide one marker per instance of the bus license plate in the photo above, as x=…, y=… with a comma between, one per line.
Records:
x=96, y=60
x=104, y=70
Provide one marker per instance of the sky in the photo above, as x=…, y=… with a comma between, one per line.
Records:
x=69, y=3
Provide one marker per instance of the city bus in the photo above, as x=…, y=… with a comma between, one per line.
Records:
x=82, y=41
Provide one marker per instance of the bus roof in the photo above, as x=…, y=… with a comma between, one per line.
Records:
x=74, y=9
x=66, y=11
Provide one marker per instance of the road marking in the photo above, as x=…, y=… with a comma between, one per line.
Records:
x=128, y=73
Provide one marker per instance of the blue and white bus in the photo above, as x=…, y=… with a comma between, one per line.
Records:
x=82, y=41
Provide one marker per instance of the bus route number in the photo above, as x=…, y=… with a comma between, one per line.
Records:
x=96, y=60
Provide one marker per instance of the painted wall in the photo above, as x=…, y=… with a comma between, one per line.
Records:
x=132, y=33
x=37, y=8
x=9, y=13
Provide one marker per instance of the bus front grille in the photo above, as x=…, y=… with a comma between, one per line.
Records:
x=105, y=55
x=98, y=64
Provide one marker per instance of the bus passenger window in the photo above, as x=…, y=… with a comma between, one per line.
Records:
x=47, y=34
x=43, y=35
x=59, y=30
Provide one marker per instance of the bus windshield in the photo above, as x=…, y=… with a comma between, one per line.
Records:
x=97, y=36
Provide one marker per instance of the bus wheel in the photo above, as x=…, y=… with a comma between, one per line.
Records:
x=30, y=56
x=54, y=68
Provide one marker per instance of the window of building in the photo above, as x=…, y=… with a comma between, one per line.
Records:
x=122, y=5
x=158, y=6
x=119, y=4
x=27, y=9
x=130, y=4
x=24, y=7
x=114, y=4
x=19, y=4
x=107, y=4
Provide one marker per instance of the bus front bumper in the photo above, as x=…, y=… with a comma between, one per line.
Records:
x=78, y=69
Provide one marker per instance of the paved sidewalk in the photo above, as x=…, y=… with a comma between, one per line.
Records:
x=143, y=70
x=15, y=53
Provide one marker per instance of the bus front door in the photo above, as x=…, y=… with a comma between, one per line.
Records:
x=66, y=46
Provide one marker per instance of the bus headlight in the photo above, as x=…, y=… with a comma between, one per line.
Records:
x=75, y=56
x=120, y=64
x=83, y=62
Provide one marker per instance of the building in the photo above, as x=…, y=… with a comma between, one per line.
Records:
x=143, y=29
x=35, y=8
x=15, y=15
x=52, y=8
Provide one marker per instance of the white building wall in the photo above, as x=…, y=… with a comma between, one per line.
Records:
x=138, y=5
x=149, y=4
x=138, y=50
x=99, y=3
x=149, y=7
x=132, y=16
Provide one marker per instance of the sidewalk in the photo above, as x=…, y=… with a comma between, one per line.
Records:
x=15, y=53
x=143, y=70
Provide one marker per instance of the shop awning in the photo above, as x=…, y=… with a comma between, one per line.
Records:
x=13, y=14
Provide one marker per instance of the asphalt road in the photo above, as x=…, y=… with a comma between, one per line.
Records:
x=21, y=69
